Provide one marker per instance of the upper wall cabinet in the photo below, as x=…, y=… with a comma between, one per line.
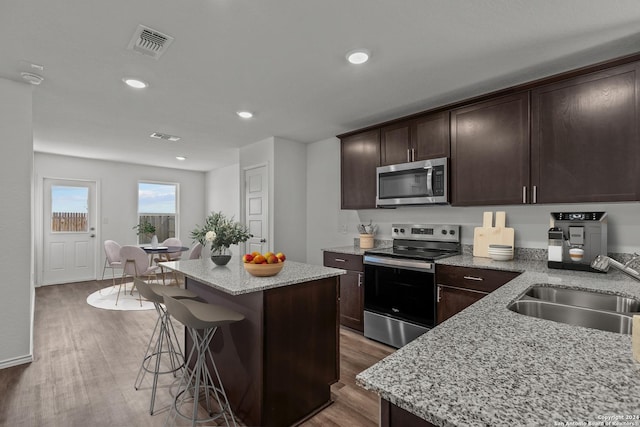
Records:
x=359, y=156
x=490, y=152
x=584, y=136
x=424, y=137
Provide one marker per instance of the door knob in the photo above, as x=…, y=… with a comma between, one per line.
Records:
x=93, y=235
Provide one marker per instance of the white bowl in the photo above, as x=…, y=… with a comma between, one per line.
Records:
x=501, y=257
x=501, y=247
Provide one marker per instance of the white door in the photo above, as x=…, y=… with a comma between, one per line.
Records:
x=69, y=235
x=256, y=208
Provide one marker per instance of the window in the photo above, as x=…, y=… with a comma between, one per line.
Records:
x=158, y=205
x=69, y=208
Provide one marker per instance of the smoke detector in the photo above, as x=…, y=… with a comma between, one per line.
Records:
x=165, y=137
x=149, y=42
x=32, y=78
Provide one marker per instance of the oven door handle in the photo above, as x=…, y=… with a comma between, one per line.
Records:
x=400, y=263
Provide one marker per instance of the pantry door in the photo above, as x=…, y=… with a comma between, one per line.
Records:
x=69, y=231
x=257, y=208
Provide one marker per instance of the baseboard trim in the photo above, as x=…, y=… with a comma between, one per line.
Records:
x=16, y=361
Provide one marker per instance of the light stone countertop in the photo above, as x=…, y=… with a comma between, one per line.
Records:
x=489, y=366
x=356, y=249
x=234, y=279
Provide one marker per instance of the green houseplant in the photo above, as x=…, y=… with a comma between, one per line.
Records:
x=220, y=232
x=147, y=229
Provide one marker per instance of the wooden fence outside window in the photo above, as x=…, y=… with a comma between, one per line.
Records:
x=69, y=221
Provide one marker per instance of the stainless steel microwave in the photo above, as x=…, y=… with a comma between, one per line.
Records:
x=416, y=183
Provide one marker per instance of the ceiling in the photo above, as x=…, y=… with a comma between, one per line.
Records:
x=285, y=61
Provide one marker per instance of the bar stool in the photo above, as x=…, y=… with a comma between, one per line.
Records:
x=195, y=316
x=163, y=339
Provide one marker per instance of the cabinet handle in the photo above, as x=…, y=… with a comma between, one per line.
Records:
x=413, y=154
x=524, y=194
x=438, y=298
x=340, y=260
x=408, y=155
x=477, y=279
x=535, y=194
x=359, y=279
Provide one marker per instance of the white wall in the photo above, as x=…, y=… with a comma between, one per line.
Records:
x=16, y=169
x=118, y=196
x=326, y=222
x=327, y=225
x=290, y=199
x=223, y=194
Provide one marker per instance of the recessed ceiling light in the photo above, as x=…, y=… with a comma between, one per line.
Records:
x=245, y=114
x=358, y=56
x=181, y=158
x=135, y=83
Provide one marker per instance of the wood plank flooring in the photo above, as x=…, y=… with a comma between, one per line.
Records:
x=86, y=360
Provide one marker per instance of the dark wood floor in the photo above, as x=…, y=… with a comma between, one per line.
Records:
x=86, y=360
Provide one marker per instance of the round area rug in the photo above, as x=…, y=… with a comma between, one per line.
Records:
x=106, y=298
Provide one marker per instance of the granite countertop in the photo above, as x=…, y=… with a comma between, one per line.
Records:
x=356, y=249
x=234, y=279
x=490, y=366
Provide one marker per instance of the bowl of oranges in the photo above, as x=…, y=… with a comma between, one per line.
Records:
x=263, y=265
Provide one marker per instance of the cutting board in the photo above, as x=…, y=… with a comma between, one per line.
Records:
x=501, y=234
x=481, y=236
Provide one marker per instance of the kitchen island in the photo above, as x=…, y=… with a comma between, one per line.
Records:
x=277, y=364
x=489, y=366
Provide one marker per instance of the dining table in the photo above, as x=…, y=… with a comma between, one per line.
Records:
x=164, y=253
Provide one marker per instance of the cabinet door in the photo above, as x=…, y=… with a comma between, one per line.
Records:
x=585, y=138
x=490, y=151
x=395, y=144
x=352, y=300
x=430, y=136
x=451, y=301
x=359, y=156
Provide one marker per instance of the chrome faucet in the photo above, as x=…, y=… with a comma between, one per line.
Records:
x=603, y=263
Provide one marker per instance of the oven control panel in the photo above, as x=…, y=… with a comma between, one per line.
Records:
x=432, y=232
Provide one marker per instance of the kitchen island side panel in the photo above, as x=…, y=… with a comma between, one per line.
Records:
x=238, y=350
x=278, y=363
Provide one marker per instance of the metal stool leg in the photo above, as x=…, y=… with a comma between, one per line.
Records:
x=198, y=380
x=163, y=341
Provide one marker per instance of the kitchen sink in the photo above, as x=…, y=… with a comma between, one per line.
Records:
x=577, y=316
x=583, y=298
x=579, y=307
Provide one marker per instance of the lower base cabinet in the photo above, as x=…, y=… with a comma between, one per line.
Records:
x=394, y=416
x=459, y=287
x=351, y=288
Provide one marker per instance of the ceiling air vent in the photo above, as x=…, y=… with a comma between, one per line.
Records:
x=149, y=42
x=164, y=136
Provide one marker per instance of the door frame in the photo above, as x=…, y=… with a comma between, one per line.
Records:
x=40, y=220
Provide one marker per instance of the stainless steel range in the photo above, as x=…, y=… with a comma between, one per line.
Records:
x=400, y=289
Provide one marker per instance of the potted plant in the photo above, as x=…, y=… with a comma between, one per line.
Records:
x=220, y=232
x=147, y=229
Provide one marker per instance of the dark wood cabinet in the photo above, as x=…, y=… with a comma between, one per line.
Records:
x=490, y=152
x=459, y=287
x=394, y=416
x=359, y=158
x=421, y=138
x=351, y=288
x=584, y=138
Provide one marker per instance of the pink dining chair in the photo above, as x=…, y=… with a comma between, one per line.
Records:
x=175, y=256
x=196, y=251
x=135, y=263
x=112, y=258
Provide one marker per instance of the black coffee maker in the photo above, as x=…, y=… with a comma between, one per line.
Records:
x=576, y=239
